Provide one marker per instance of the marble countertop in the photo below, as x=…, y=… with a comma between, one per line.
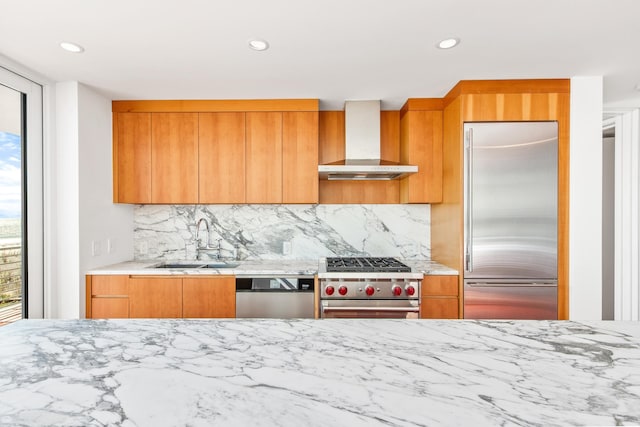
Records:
x=319, y=373
x=254, y=267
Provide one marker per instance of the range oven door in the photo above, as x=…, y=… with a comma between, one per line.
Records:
x=369, y=309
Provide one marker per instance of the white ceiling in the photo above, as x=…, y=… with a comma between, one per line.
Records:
x=328, y=49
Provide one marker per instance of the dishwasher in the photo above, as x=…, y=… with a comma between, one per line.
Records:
x=282, y=297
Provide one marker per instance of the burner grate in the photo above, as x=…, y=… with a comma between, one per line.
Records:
x=365, y=264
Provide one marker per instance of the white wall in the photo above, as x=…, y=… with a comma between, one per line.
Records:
x=83, y=206
x=65, y=292
x=585, y=203
x=107, y=224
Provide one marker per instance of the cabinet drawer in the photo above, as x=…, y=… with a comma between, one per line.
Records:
x=109, y=285
x=109, y=308
x=439, y=308
x=440, y=285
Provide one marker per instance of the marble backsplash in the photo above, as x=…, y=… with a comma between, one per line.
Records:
x=254, y=232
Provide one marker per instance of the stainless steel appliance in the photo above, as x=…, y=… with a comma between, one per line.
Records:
x=362, y=148
x=510, y=242
x=282, y=297
x=368, y=288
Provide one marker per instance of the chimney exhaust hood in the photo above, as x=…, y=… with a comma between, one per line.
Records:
x=362, y=148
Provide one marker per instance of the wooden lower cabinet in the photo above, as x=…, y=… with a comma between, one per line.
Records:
x=107, y=297
x=439, y=308
x=114, y=296
x=153, y=297
x=439, y=297
x=209, y=297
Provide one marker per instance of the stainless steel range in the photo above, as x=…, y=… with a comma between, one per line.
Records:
x=368, y=288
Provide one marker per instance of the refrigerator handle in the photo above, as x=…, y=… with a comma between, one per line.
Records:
x=469, y=200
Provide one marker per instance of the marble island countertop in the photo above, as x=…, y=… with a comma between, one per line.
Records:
x=253, y=267
x=319, y=373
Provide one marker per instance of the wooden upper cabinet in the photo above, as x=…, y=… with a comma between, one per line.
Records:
x=174, y=158
x=221, y=160
x=264, y=157
x=132, y=157
x=213, y=297
x=300, y=157
x=154, y=297
x=421, y=145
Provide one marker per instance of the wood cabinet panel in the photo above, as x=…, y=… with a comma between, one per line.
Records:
x=174, y=158
x=447, y=217
x=209, y=297
x=109, y=308
x=215, y=105
x=155, y=297
x=109, y=285
x=132, y=157
x=358, y=192
x=331, y=134
x=107, y=296
x=221, y=160
x=264, y=157
x=439, y=286
x=300, y=157
x=421, y=145
x=439, y=308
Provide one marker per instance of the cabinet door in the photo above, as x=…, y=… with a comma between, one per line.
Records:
x=264, y=157
x=132, y=158
x=300, y=157
x=439, y=297
x=440, y=286
x=209, y=297
x=421, y=145
x=174, y=158
x=439, y=308
x=155, y=297
x=109, y=308
x=221, y=159
x=107, y=297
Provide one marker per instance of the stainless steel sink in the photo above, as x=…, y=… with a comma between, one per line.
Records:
x=220, y=265
x=179, y=265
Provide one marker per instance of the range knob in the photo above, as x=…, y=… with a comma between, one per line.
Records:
x=369, y=290
x=410, y=290
x=329, y=290
x=342, y=290
x=396, y=290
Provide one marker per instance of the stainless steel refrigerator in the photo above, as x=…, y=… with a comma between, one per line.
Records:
x=511, y=210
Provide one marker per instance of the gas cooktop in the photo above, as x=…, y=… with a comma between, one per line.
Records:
x=366, y=264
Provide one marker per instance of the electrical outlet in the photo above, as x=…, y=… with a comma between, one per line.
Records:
x=110, y=245
x=96, y=248
x=286, y=248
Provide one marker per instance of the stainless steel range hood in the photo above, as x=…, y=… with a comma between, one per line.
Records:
x=362, y=148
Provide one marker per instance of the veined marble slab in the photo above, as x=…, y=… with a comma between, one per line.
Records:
x=244, y=268
x=319, y=373
x=261, y=231
x=252, y=267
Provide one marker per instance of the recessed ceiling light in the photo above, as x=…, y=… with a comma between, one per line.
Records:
x=448, y=43
x=72, y=47
x=257, y=44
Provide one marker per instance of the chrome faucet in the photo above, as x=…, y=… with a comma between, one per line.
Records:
x=199, y=240
x=199, y=247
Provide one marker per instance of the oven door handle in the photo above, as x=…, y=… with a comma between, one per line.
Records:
x=399, y=309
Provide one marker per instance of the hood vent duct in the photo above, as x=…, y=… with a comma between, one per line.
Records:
x=362, y=148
